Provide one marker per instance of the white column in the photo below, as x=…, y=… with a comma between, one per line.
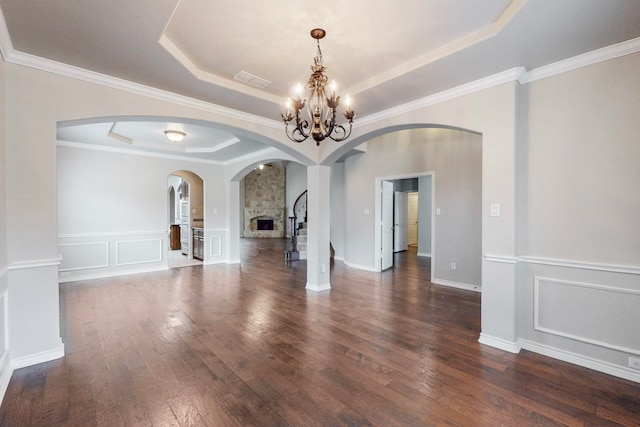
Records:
x=318, y=225
x=233, y=222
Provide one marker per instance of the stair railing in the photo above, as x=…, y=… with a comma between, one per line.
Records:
x=299, y=210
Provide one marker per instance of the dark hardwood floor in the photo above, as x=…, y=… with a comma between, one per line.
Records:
x=247, y=345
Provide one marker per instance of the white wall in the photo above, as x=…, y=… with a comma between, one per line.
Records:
x=456, y=159
x=114, y=219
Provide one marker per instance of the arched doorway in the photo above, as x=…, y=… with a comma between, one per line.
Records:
x=185, y=206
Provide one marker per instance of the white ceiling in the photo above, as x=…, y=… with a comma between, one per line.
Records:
x=384, y=54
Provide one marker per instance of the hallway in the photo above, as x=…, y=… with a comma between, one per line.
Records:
x=245, y=344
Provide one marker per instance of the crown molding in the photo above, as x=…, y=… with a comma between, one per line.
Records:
x=514, y=74
x=134, y=152
x=519, y=74
x=43, y=64
x=6, y=46
x=599, y=55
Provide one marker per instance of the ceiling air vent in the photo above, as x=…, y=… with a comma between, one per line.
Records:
x=251, y=80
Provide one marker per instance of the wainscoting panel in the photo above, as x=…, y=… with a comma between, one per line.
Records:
x=216, y=246
x=96, y=255
x=216, y=239
x=129, y=252
x=591, y=313
x=85, y=255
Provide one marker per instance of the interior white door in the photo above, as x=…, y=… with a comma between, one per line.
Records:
x=387, y=225
x=412, y=219
x=399, y=221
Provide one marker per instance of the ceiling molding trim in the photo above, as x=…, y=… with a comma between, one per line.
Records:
x=599, y=55
x=114, y=135
x=257, y=154
x=42, y=64
x=6, y=46
x=514, y=74
x=206, y=76
x=133, y=152
x=441, y=52
x=225, y=144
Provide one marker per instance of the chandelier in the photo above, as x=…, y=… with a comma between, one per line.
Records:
x=321, y=107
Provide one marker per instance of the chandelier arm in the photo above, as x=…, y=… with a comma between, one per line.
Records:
x=297, y=134
x=340, y=130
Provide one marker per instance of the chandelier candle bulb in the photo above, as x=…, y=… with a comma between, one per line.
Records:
x=321, y=108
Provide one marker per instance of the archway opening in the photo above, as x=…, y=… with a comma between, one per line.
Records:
x=185, y=205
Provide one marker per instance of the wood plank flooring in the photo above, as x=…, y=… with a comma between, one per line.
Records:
x=246, y=345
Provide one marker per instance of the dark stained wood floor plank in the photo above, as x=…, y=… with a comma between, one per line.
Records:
x=238, y=345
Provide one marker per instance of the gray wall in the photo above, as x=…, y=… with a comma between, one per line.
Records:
x=5, y=370
x=579, y=231
x=337, y=210
x=425, y=185
x=455, y=157
x=576, y=254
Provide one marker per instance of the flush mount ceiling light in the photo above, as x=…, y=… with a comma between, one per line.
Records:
x=174, y=135
x=321, y=109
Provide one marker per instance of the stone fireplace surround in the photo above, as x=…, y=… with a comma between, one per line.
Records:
x=253, y=214
x=265, y=200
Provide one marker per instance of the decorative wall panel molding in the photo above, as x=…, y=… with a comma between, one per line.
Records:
x=111, y=234
x=215, y=245
x=583, y=265
x=85, y=255
x=590, y=313
x=129, y=252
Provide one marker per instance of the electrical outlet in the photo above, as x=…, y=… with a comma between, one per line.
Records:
x=453, y=266
x=634, y=362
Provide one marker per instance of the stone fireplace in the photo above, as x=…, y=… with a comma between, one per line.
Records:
x=264, y=211
x=253, y=217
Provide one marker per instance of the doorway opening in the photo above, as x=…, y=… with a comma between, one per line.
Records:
x=405, y=214
x=185, y=214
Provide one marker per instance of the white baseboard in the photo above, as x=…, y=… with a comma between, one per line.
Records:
x=424, y=254
x=216, y=261
x=459, y=285
x=6, y=370
x=34, y=359
x=511, y=347
x=318, y=288
x=234, y=261
x=361, y=267
x=111, y=274
x=584, y=361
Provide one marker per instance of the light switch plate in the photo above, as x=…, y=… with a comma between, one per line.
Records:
x=495, y=209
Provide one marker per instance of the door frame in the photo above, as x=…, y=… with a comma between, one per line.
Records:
x=377, y=255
